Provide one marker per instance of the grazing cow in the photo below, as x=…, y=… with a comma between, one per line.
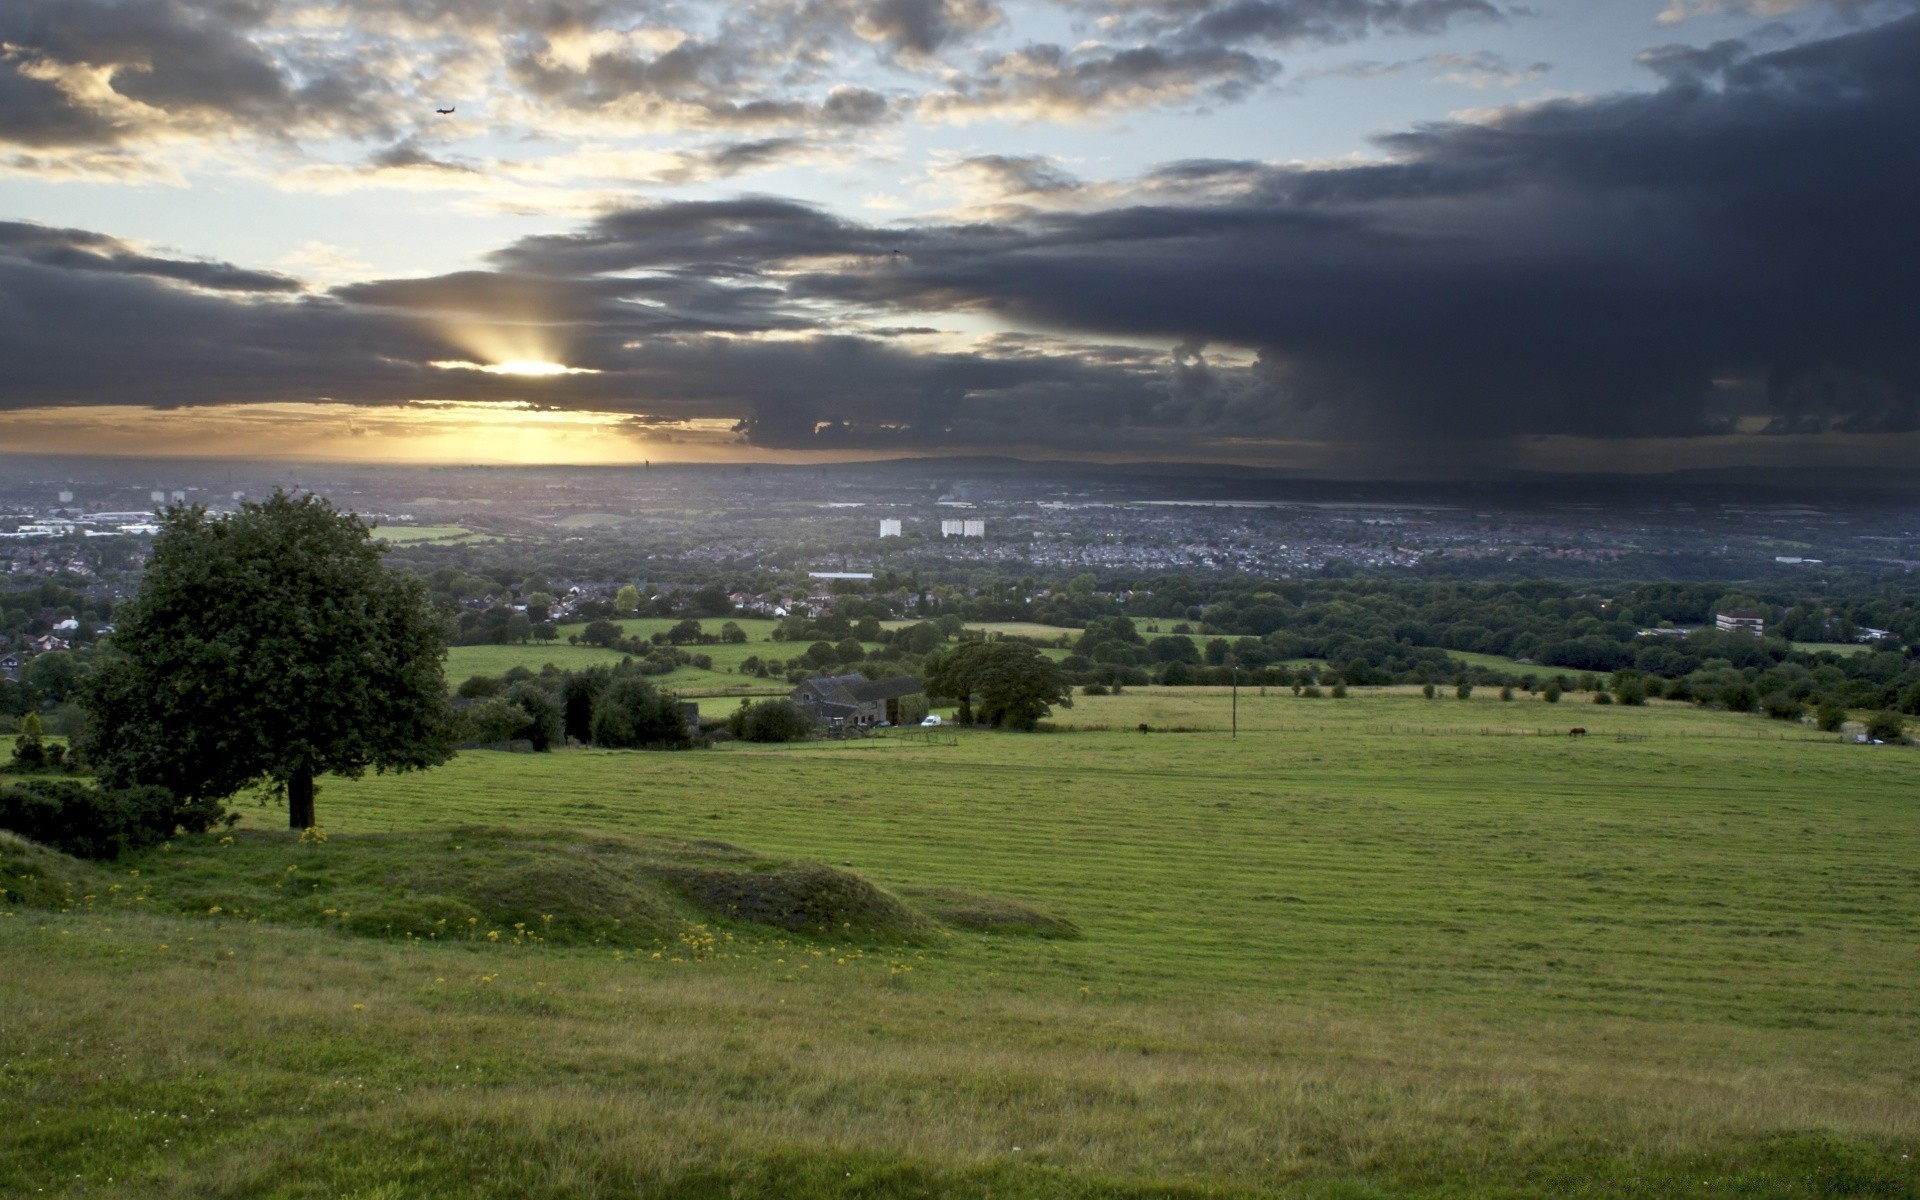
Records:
x=1577, y=731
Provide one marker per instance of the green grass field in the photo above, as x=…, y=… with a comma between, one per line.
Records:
x=1380, y=946
x=406, y=535
x=1844, y=649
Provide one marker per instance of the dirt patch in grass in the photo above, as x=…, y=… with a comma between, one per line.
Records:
x=988, y=914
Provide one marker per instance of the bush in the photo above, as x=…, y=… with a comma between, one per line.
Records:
x=1603, y=698
x=1552, y=694
x=1094, y=689
x=91, y=822
x=631, y=714
x=770, y=721
x=1781, y=706
x=1463, y=690
x=1887, y=727
x=1831, y=716
x=1426, y=690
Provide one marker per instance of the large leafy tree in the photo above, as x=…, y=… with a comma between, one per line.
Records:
x=270, y=644
x=1006, y=684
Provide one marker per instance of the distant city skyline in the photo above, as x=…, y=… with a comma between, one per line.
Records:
x=1352, y=238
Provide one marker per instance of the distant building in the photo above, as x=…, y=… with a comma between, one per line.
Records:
x=1740, y=620
x=855, y=700
x=974, y=529
x=1796, y=562
x=178, y=497
x=839, y=574
x=952, y=528
x=66, y=497
x=889, y=529
x=157, y=497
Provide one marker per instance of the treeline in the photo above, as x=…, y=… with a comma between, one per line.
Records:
x=612, y=707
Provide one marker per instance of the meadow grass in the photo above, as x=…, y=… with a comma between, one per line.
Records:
x=1374, y=946
x=407, y=535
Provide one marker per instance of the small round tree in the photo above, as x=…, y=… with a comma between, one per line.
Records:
x=270, y=645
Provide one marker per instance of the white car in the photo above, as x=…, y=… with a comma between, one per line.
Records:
x=933, y=719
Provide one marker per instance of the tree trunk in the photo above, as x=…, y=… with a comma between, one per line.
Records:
x=300, y=800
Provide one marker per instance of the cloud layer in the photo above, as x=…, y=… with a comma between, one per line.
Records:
x=1651, y=265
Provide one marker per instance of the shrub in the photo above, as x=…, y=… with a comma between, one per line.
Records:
x=1781, y=706
x=1603, y=698
x=1427, y=690
x=89, y=822
x=1339, y=691
x=631, y=714
x=1463, y=690
x=770, y=721
x=1552, y=693
x=1094, y=689
x=1887, y=727
x=1831, y=716
x=479, y=687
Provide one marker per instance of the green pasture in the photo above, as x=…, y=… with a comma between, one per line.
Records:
x=407, y=535
x=1844, y=649
x=466, y=661
x=1378, y=946
x=724, y=677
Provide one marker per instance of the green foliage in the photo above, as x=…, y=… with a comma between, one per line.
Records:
x=493, y=719
x=629, y=714
x=541, y=714
x=99, y=823
x=601, y=633
x=32, y=753
x=779, y=720
x=268, y=643
x=479, y=687
x=912, y=709
x=1887, y=726
x=1781, y=706
x=1002, y=684
x=626, y=601
x=1630, y=690
x=1831, y=716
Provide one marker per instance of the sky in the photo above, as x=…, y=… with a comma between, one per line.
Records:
x=1361, y=238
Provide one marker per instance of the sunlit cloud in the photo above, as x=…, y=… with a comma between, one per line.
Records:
x=516, y=366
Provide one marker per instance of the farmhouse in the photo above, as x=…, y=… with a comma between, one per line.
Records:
x=854, y=699
x=1740, y=620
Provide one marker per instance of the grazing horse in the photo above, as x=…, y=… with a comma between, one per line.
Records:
x=1577, y=731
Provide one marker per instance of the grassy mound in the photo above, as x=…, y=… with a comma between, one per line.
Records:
x=988, y=914
x=32, y=876
x=800, y=897
x=494, y=885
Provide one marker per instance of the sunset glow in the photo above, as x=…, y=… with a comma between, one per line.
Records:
x=518, y=366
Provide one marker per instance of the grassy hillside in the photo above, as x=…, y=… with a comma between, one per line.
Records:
x=1379, y=946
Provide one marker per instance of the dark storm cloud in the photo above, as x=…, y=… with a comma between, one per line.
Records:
x=1589, y=267
x=81, y=250
x=1576, y=267
x=1283, y=22
x=167, y=63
